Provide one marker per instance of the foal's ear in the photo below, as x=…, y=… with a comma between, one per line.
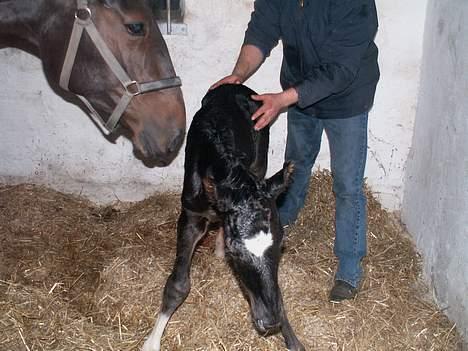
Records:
x=246, y=104
x=278, y=183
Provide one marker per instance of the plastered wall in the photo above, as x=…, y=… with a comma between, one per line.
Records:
x=45, y=140
x=435, y=206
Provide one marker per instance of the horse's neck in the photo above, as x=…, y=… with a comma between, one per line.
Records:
x=19, y=20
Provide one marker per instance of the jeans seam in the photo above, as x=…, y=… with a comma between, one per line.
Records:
x=358, y=218
x=360, y=193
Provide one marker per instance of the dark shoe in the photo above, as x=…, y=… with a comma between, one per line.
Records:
x=342, y=291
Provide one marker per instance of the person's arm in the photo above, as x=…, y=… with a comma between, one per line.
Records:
x=249, y=60
x=342, y=52
x=261, y=36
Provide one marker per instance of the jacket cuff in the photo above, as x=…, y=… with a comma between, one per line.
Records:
x=304, y=98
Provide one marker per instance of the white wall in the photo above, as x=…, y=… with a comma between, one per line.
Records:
x=400, y=39
x=435, y=206
x=46, y=140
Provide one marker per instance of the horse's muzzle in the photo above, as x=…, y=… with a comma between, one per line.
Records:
x=159, y=151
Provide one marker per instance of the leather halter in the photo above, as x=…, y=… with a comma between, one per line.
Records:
x=83, y=21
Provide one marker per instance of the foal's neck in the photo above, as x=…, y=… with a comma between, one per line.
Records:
x=20, y=21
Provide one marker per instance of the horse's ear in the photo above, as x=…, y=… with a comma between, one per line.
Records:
x=278, y=183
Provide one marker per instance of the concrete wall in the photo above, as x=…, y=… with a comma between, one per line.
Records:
x=435, y=206
x=46, y=140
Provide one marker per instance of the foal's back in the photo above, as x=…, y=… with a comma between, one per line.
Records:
x=222, y=132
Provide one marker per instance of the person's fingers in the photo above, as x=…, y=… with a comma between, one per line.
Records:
x=258, y=125
x=217, y=84
x=231, y=79
x=267, y=117
x=257, y=97
x=257, y=113
x=261, y=110
x=261, y=123
x=267, y=112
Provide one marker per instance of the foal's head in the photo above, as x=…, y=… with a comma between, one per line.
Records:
x=253, y=240
x=155, y=121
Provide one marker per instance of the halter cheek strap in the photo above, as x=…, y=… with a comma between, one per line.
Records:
x=84, y=22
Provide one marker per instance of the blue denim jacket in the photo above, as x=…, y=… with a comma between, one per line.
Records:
x=329, y=54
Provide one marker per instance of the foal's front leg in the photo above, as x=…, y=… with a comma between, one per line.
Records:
x=190, y=229
x=290, y=338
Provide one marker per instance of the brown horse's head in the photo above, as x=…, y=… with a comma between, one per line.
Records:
x=155, y=121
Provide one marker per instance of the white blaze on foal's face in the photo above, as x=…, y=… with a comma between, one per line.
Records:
x=259, y=243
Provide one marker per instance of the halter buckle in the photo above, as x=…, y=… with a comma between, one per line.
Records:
x=132, y=88
x=83, y=15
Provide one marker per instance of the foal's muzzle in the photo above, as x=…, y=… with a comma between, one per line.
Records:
x=267, y=328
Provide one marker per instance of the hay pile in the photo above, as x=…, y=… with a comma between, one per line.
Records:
x=74, y=276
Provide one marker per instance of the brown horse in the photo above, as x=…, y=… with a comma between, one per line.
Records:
x=111, y=55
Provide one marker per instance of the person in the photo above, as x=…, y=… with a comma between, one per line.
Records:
x=329, y=75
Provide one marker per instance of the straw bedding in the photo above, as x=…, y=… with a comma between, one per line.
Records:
x=74, y=276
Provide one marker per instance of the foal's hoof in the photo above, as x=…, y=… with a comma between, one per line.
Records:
x=296, y=347
x=219, y=248
x=219, y=253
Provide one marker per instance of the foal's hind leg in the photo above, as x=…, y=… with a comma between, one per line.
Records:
x=190, y=229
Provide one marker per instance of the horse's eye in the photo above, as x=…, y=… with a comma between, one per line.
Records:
x=136, y=28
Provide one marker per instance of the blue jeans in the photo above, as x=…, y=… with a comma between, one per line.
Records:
x=348, y=152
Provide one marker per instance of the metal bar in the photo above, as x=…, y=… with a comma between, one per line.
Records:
x=169, y=24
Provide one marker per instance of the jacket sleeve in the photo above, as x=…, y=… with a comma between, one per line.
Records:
x=355, y=26
x=263, y=30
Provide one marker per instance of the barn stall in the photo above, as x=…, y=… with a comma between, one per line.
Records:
x=79, y=275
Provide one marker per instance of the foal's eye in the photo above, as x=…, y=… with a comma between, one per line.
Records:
x=136, y=28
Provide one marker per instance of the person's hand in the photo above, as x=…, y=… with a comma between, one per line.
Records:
x=272, y=106
x=230, y=79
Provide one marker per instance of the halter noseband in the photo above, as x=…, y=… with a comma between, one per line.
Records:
x=132, y=88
